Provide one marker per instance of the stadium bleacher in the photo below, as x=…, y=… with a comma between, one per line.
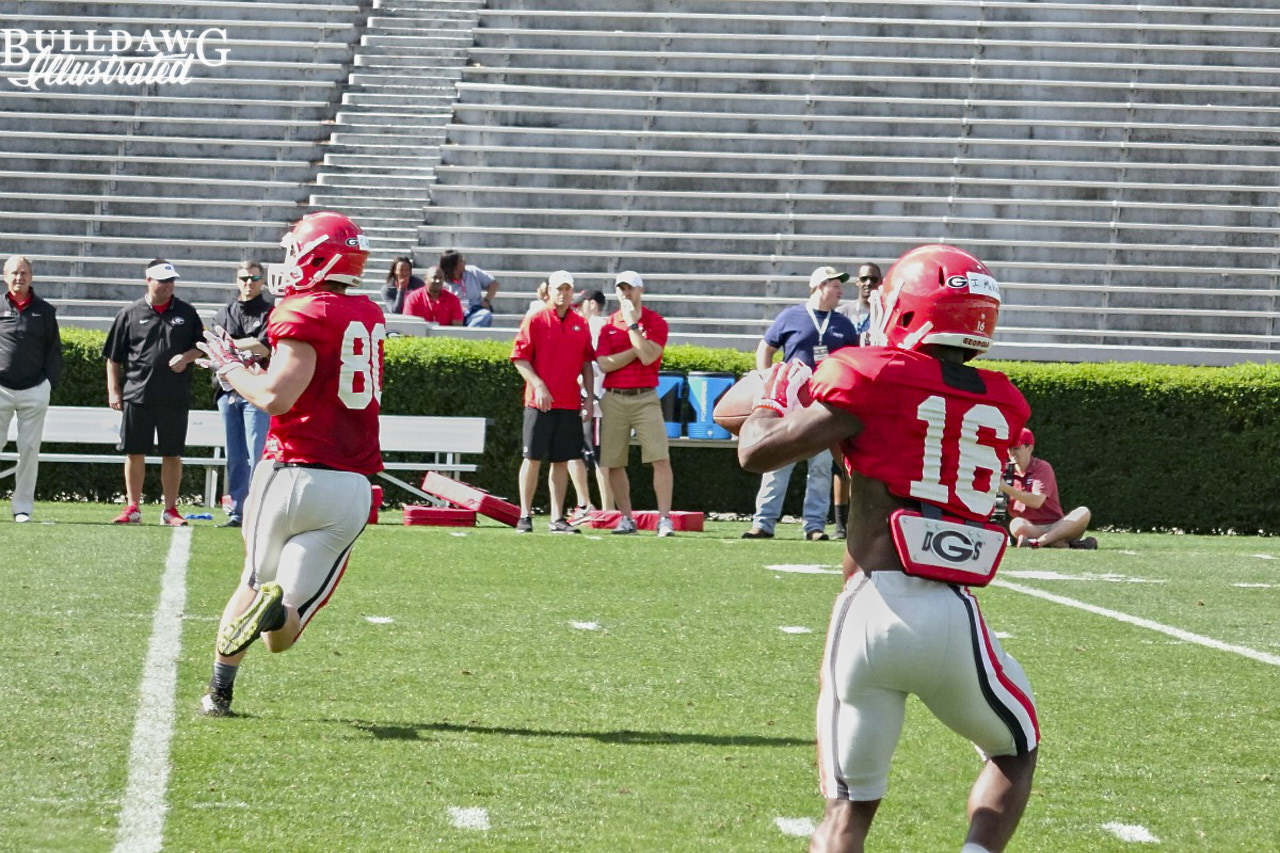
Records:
x=1114, y=163
x=1111, y=162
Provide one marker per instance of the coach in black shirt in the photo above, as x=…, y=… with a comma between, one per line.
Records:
x=148, y=350
x=30, y=365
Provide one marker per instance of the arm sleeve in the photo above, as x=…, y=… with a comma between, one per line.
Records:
x=656, y=330
x=522, y=349
x=53, y=357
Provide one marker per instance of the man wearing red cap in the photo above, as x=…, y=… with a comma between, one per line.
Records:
x=1036, y=517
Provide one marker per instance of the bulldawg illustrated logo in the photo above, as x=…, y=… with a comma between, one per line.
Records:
x=49, y=58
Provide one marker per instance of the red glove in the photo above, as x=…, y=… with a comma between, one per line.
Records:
x=783, y=385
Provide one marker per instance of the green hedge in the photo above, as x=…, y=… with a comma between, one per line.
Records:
x=1145, y=447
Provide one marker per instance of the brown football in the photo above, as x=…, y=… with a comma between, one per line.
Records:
x=735, y=405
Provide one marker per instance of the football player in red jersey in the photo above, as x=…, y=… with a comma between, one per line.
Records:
x=924, y=437
x=310, y=494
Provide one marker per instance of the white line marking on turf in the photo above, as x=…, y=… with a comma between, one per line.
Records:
x=803, y=569
x=474, y=817
x=141, y=828
x=797, y=827
x=1255, y=585
x=1108, y=577
x=1131, y=833
x=380, y=620
x=459, y=535
x=1180, y=634
x=795, y=629
x=1264, y=556
x=586, y=626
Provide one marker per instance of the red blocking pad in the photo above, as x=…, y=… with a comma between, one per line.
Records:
x=647, y=519
x=469, y=497
x=375, y=503
x=434, y=516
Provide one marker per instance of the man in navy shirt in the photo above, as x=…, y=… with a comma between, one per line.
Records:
x=810, y=332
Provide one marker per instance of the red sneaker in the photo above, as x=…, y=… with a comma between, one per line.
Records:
x=131, y=515
x=172, y=517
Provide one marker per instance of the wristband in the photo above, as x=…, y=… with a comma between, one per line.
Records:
x=634, y=327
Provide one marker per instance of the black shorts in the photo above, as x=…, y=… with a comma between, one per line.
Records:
x=162, y=425
x=554, y=436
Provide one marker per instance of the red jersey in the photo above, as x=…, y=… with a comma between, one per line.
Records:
x=335, y=421
x=931, y=431
x=614, y=338
x=556, y=348
x=1039, y=480
x=445, y=309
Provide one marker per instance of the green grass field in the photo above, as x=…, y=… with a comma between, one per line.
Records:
x=482, y=691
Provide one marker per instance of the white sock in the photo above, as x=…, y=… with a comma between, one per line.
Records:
x=974, y=848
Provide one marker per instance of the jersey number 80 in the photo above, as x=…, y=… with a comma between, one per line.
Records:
x=360, y=377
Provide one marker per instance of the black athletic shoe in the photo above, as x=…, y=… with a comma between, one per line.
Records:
x=1088, y=543
x=525, y=524
x=241, y=631
x=757, y=533
x=233, y=521
x=216, y=703
x=561, y=526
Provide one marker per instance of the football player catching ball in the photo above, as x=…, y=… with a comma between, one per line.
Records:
x=924, y=437
x=310, y=495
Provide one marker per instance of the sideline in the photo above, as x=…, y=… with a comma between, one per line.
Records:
x=1185, y=636
x=141, y=826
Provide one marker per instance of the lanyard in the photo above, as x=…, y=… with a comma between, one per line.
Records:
x=826, y=321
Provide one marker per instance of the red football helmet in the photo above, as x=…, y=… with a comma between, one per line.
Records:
x=324, y=246
x=936, y=294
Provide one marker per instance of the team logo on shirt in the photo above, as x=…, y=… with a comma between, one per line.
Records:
x=178, y=321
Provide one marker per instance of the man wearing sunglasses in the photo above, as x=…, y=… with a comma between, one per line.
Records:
x=245, y=319
x=859, y=311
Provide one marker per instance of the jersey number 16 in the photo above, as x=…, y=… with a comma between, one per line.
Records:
x=970, y=457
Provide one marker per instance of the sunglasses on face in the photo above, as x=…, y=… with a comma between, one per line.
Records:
x=870, y=279
x=250, y=278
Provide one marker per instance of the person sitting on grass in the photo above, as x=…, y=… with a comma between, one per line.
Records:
x=1036, y=519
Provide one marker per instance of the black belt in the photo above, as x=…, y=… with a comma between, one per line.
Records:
x=315, y=465
x=629, y=392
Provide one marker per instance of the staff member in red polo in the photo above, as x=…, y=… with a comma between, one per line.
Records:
x=552, y=351
x=630, y=354
x=1036, y=519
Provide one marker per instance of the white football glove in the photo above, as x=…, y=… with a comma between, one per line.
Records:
x=223, y=356
x=782, y=386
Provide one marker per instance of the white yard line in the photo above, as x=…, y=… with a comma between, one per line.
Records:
x=141, y=827
x=469, y=817
x=1185, y=636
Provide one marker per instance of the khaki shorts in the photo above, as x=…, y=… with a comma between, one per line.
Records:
x=620, y=414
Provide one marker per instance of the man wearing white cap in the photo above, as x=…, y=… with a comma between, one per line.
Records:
x=553, y=354
x=629, y=351
x=148, y=349
x=809, y=332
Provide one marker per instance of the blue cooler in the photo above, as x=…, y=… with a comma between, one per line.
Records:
x=671, y=394
x=705, y=390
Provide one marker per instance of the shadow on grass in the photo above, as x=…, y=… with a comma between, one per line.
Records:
x=417, y=731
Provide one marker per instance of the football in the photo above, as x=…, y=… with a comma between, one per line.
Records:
x=734, y=406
